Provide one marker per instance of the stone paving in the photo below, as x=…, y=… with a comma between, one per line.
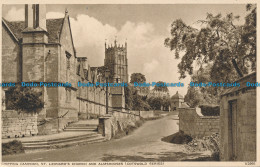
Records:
x=57, y=135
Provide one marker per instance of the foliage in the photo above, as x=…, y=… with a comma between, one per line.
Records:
x=24, y=98
x=166, y=102
x=156, y=102
x=12, y=147
x=137, y=77
x=227, y=47
x=161, y=88
x=127, y=130
x=140, y=103
x=134, y=101
x=202, y=95
x=192, y=97
x=208, y=110
x=128, y=97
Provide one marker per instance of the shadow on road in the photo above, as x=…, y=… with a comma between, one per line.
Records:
x=164, y=156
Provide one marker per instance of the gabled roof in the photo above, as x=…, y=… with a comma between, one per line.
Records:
x=53, y=27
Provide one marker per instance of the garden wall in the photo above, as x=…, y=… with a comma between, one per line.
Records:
x=143, y=114
x=193, y=123
x=116, y=122
x=16, y=124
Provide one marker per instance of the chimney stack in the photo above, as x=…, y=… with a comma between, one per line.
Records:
x=35, y=16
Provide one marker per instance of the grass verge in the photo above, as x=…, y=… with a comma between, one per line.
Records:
x=12, y=147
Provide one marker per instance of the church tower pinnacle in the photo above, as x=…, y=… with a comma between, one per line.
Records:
x=116, y=61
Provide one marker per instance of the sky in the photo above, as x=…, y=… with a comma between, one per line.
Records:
x=144, y=27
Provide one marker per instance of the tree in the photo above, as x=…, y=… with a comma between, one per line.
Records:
x=129, y=97
x=137, y=77
x=161, y=88
x=155, y=103
x=202, y=95
x=166, y=102
x=229, y=49
x=140, y=103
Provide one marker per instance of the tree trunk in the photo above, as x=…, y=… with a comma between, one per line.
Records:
x=237, y=68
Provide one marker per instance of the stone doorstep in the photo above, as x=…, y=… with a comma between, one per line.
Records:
x=56, y=146
x=62, y=140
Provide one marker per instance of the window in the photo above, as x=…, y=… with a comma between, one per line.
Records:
x=68, y=55
x=68, y=63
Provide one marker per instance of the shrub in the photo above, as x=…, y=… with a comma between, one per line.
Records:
x=127, y=130
x=12, y=147
x=207, y=110
x=24, y=98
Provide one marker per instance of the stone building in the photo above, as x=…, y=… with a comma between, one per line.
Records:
x=238, y=121
x=116, y=61
x=42, y=50
x=156, y=93
x=176, y=101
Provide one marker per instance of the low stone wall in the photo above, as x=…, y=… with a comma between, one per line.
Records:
x=193, y=123
x=143, y=114
x=116, y=122
x=15, y=124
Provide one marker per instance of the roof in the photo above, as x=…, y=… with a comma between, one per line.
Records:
x=177, y=96
x=53, y=28
x=243, y=86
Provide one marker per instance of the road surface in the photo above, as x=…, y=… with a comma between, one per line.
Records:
x=144, y=144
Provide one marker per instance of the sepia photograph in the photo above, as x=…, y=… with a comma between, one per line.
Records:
x=94, y=84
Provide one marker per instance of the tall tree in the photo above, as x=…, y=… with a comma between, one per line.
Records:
x=161, y=87
x=137, y=77
x=229, y=48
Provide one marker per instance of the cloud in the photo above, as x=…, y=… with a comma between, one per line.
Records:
x=89, y=35
x=15, y=14
x=151, y=66
x=145, y=50
x=54, y=15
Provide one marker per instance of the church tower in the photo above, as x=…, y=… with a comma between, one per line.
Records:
x=116, y=62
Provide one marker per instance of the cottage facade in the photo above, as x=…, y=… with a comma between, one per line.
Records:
x=238, y=121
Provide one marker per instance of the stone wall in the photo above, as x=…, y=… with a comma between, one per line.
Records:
x=193, y=123
x=16, y=124
x=116, y=122
x=245, y=143
x=143, y=114
x=238, y=121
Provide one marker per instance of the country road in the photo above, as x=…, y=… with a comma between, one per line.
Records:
x=144, y=144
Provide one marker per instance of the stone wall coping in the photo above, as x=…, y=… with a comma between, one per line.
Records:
x=200, y=115
x=209, y=117
x=123, y=112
